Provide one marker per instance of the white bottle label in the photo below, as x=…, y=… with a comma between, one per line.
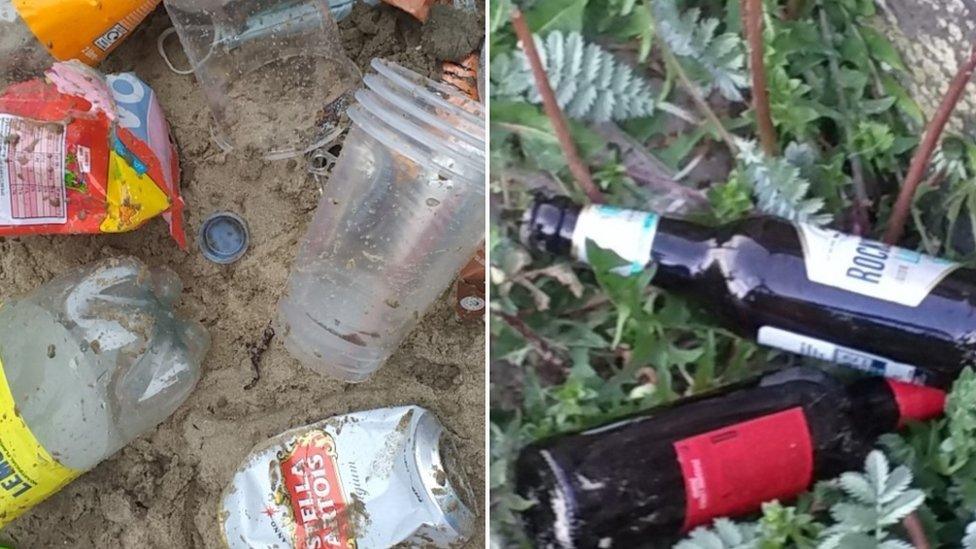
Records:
x=628, y=233
x=870, y=268
x=824, y=350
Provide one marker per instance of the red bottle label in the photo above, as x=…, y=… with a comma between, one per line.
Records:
x=732, y=470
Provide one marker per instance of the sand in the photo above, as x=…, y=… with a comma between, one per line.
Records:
x=162, y=490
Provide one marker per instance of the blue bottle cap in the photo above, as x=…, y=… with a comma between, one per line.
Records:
x=224, y=237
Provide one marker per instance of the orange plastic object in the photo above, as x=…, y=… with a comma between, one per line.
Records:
x=417, y=8
x=463, y=76
x=471, y=288
x=86, y=30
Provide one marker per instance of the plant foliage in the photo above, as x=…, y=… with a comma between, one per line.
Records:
x=572, y=348
x=589, y=83
x=715, y=60
x=778, y=185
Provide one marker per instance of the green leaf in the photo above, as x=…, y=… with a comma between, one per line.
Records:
x=551, y=15
x=900, y=507
x=877, y=106
x=906, y=104
x=881, y=48
x=858, y=488
x=538, y=139
x=499, y=12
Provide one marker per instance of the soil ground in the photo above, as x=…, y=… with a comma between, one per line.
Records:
x=163, y=489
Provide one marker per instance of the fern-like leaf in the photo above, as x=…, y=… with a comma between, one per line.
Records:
x=877, y=499
x=589, y=83
x=779, y=188
x=969, y=541
x=714, y=61
x=725, y=534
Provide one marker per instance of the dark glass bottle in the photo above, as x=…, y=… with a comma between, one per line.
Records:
x=651, y=476
x=800, y=288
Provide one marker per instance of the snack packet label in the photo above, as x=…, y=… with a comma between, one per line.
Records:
x=76, y=29
x=32, y=190
x=28, y=473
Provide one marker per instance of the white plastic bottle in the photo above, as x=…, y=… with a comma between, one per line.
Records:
x=88, y=362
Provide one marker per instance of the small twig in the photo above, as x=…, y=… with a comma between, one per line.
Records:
x=555, y=364
x=690, y=166
x=923, y=155
x=257, y=350
x=861, y=199
x=677, y=111
x=648, y=171
x=752, y=24
x=555, y=114
x=696, y=96
x=916, y=533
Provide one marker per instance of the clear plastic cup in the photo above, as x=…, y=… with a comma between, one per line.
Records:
x=402, y=212
x=273, y=71
x=22, y=57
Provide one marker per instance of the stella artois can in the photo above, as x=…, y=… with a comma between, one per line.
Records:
x=364, y=480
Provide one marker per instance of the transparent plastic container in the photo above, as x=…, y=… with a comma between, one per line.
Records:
x=22, y=57
x=402, y=212
x=97, y=357
x=273, y=71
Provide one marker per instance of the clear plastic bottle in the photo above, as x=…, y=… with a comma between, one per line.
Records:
x=92, y=360
x=403, y=211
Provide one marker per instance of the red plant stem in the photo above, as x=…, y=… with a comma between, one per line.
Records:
x=916, y=533
x=923, y=155
x=576, y=166
x=752, y=22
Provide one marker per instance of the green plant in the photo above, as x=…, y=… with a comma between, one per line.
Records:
x=589, y=83
x=714, y=60
x=779, y=188
x=942, y=455
x=576, y=348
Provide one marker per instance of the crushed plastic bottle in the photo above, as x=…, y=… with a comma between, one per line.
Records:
x=88, y=362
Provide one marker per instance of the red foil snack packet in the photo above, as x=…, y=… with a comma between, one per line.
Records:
x=81, y=152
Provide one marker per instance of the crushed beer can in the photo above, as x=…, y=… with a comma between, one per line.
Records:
x=373, y=479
